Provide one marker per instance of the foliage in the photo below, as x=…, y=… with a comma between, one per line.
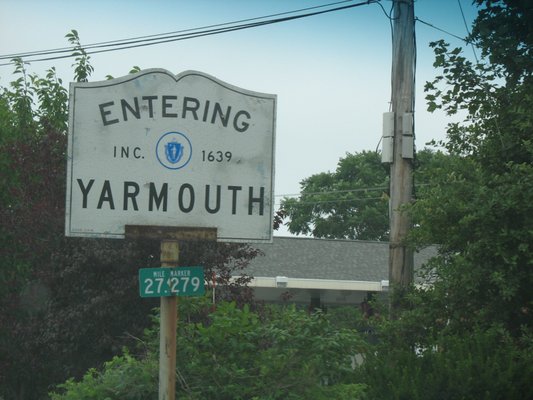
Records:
x=485, y=270
x=503, y=32
x=82, y=66
x=348, y=203
x=21, y=117
x=124, y=377
x=289, y=354
x=66, y=304
x=484, y=364
x=353, y=201
x=240, y=354
x=467, y=333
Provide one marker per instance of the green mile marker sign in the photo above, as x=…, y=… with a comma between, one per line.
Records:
x=164, y=282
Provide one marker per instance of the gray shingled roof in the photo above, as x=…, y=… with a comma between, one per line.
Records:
x=312, y=258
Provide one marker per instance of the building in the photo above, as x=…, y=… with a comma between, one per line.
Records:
x=323, y=272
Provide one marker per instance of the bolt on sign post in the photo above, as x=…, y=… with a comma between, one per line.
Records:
x=170, y=157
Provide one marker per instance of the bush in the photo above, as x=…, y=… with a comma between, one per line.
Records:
x=479, y=365
x=122, y=378
x=281, y=353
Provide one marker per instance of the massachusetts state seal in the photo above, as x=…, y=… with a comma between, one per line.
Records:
x=173, y=150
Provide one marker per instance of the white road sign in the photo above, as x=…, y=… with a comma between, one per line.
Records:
x=184, y=150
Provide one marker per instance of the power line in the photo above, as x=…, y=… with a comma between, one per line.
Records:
x=367, y=189
x=151, y=40
x=333, y=191
x=441, y=30
x=338, y=201
x=467, y=30
x=162, y=35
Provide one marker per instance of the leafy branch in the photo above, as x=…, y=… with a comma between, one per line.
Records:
x=82, y=67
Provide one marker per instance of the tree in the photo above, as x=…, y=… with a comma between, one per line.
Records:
x=483, y=364
x=66, y=304
x=468, y=332
x=352, y=202
x=480, y=209
x=348, y=203
x=503, y=32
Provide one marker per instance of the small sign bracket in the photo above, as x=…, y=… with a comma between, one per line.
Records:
x=170, y=233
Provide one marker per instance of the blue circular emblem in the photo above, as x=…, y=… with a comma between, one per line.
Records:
x=173, y=150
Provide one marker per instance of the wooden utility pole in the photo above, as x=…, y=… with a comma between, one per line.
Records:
x=401, y=170
x=170, y=249
x=168, y=327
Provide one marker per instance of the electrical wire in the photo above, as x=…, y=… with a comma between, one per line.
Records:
x=468, y=31
x=161, y=35
x=441, y=30
x=356, y=199
x=370, y=189
x=151, y=40
x=337, y=201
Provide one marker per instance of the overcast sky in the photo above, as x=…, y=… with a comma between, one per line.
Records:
x=331, y=72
